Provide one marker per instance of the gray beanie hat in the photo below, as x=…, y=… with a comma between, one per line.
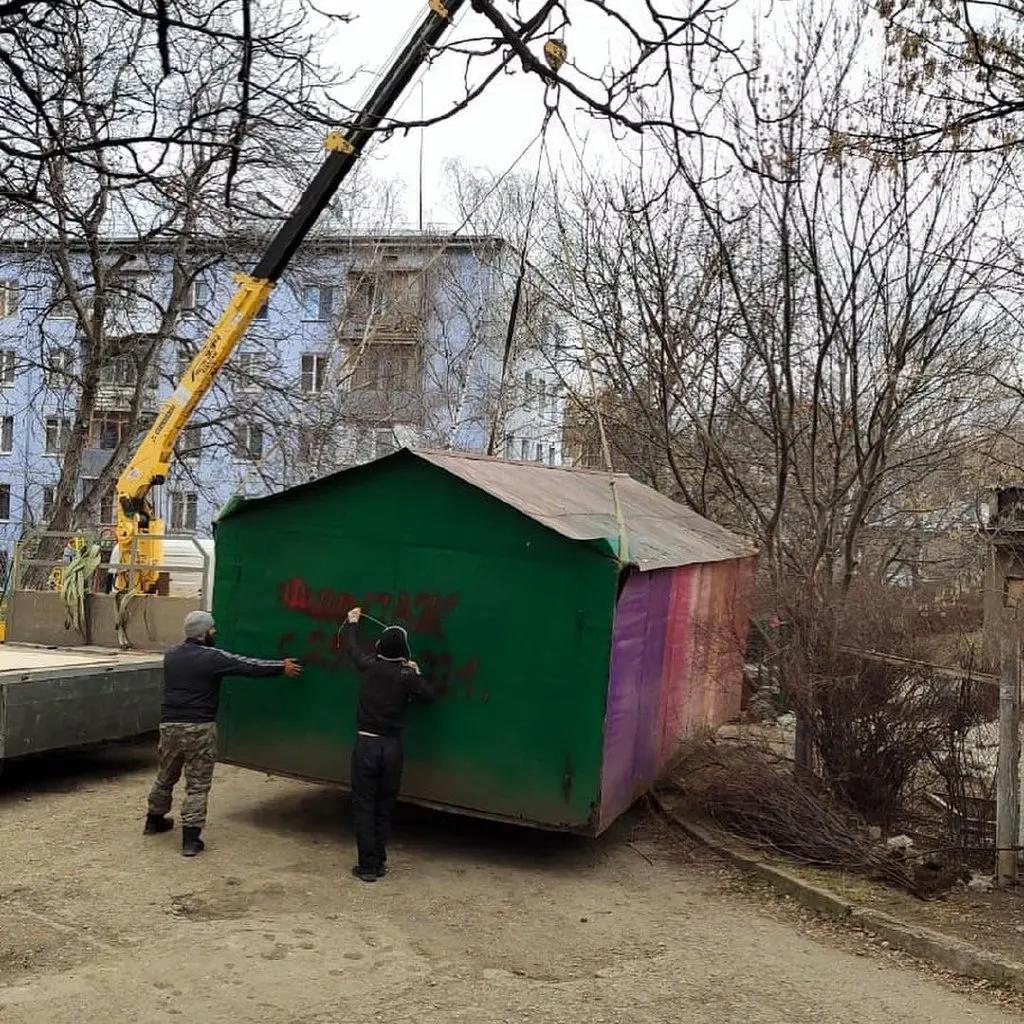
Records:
x=198, y=624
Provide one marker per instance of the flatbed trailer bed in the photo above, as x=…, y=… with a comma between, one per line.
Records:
x=54, y=697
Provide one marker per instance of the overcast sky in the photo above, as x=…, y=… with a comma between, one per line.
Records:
x=497, y=127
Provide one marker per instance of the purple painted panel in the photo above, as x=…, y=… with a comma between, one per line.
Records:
x=622, y=714
x=645, y=749
x=676, y=664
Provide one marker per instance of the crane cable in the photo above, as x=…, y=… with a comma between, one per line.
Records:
x=620, y=519
x=353, y=363
x=517, y=293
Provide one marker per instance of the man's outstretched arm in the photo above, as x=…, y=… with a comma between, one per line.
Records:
x=360, y=658
x=228, y=664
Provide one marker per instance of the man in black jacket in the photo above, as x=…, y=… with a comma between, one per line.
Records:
x=188, y=729
x=390, y=679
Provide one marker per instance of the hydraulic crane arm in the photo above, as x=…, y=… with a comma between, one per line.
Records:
x=138, y=531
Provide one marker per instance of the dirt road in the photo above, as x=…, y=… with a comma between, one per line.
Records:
x=476, y=923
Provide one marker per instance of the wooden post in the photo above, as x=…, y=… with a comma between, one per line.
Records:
x=1008, y=777
x=802, y=745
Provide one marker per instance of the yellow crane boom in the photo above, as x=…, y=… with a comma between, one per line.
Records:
x=138, y=530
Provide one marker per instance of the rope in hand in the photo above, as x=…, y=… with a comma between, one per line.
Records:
x=363, y=615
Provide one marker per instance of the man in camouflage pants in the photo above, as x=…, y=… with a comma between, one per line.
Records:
x=188, y=728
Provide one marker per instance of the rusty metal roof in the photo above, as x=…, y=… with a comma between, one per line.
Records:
x=578, y=504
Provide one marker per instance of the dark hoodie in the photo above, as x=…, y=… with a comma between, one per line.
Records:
x=192, y=678
x=386, y=688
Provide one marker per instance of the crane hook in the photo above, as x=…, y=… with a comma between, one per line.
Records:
x=555, y=53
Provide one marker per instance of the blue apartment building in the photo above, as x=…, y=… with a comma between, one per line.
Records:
x=368, y=344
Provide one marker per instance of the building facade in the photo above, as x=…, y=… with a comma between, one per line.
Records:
x=368, y=344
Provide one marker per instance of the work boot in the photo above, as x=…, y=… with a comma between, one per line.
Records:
x=191, y=844
x=364, y=874
x=157, y=823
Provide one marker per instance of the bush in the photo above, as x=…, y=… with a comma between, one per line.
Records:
x=872, y=723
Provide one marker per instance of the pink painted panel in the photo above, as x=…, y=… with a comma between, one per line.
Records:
x=676, y=666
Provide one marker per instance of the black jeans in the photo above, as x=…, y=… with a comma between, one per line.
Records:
x=376, y=779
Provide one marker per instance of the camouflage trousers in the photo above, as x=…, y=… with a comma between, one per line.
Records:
x=193, y=747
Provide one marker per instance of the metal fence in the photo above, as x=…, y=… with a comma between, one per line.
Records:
x=37, y=565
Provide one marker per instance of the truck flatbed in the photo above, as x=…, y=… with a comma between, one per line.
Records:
x=52, y=697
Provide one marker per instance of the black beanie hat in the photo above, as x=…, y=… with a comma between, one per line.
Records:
x=393, y=644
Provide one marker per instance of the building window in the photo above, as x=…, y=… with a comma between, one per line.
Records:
x=57, y=435
x=558, y=332
x=524, y=450
x=248, y=371
x=190, y=444
x=108, y=429
x=249, y=442
x=318, y=301
x=5, y=502
x=401, y=296
x=49, y=501
x=307, y=443
x=8, y=360
x=6, y=435
x=58, y=366
x=120, y=372
x=314, y=372
x=62, y=307
x=551, y=455
x=388, y=367
x=528, y=391
x=8, y=298
x=384, y=443
x=106, y=503
x=182, y=357
x=391, y=300
x=540, y=453
x=510, y=447
x=127, y=286
x=184, y=509
x=198, y=296
x=362, y=298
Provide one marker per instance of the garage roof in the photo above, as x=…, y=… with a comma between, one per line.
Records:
x=578, y=504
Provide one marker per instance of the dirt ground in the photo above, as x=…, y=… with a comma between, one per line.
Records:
x=993, y=921
x=476, y=923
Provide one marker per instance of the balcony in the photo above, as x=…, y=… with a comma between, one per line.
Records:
x=119, y=398
x=396, y=329
x=1005, y=515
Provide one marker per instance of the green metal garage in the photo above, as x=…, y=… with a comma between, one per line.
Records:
x=566, y=677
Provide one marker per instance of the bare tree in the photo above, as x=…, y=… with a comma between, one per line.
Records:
x=120, y=231
x=811, y=352
x=259, y=52
x=964, y=60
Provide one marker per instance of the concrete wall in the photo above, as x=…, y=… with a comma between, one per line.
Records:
x=154, y=623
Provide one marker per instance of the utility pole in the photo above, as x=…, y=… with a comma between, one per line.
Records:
x=1008, y=776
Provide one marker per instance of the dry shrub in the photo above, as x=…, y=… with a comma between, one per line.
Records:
x=752, y=795
x=872, y=724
